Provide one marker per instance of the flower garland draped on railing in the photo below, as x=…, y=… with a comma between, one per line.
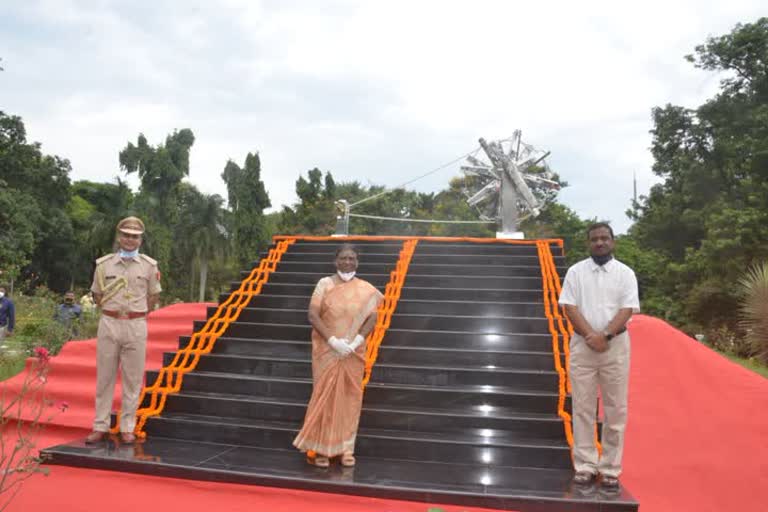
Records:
x=387, y=308
x=551, y=291
x=185, y=360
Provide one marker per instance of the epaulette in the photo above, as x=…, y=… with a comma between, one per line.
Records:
x=149, y=260
x=104, y=258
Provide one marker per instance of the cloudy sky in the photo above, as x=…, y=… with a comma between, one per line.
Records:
x=374, y=91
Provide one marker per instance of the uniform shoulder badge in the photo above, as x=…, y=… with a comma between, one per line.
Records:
x=104, y=258
x=148, y=259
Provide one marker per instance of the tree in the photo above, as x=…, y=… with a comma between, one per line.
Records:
x=203, y=228
x=708, y=220
x=161, y=170
x=558, y=221
x=94, y=211
x=19, y=215
x=315, y=213
x=248, y=199
x=41, y=184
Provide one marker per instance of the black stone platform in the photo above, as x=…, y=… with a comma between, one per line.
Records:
x=492, y=486
x=461, y=407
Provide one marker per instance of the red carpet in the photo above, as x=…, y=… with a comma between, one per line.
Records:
x=697, y=437
x=72, y=373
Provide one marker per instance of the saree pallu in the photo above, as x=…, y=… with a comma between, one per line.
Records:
x=333, y=413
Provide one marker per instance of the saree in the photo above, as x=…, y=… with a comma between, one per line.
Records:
x=333, y=413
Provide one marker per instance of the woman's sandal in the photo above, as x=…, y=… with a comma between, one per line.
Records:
x=348, y=460
x=320, y=461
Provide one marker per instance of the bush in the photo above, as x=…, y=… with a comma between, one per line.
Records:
x=754, y=309
x=36, y=327
x=40, y=332
x=731, y=342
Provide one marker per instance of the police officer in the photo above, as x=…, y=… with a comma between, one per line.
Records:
x=126, y=286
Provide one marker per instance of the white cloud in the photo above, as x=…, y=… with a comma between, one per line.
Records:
x=375, y=91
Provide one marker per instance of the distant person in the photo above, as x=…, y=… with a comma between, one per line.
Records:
x=599, y=294
x=68, y=313
x=126, y=286
x=86, y=303
x=7, y=315
x=342, y=312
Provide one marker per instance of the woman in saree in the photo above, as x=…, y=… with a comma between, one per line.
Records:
x=342, y=313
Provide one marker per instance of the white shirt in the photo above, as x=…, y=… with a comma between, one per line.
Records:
x=600, y=291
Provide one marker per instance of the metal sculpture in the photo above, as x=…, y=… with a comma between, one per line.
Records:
x=513, y=186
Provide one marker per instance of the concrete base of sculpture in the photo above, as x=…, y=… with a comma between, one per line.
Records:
x=514, y=235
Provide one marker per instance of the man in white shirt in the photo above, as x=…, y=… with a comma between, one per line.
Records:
x=599, y=294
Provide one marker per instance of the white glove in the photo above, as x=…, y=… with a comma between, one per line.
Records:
x=340, y=346
x=359, y=340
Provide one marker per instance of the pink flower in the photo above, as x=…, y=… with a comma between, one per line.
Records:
x=42, y=354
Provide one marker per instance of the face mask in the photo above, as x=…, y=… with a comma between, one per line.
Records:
x=129, y=254
x=346, y=276
x=602, y=260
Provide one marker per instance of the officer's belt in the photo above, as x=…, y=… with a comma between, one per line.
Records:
x=129, y=315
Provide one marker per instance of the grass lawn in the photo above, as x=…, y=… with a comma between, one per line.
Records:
x=10, y=365
x=749, y=364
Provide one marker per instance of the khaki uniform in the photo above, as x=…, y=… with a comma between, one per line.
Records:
x=121, y=343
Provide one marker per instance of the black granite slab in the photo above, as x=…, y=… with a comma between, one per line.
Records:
x=482, y=485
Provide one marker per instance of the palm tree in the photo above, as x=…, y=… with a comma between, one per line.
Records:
x=115, y=203
x=207, y=235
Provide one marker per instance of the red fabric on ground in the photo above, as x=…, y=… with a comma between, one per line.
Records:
x=696, y=439
x=72, y=373
x=81, y=490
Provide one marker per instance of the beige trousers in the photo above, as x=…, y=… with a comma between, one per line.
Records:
x=120, y=344
x=608, y=371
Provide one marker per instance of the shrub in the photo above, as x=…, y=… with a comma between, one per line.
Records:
x=754, y=309
x=725, y=340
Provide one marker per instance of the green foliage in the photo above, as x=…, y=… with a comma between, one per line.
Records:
x=317, y=211
x=708, y=220
x=34, y=192
x=749, y=363
x=11, y=364
x=36, y=327
x=161, y=170
x=315, y=214
x=248, y=199
x=559, y=221
x=19, y=214
x=727, y=341
x=754, y=309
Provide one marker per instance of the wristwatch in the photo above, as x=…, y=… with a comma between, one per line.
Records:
x=608, y=336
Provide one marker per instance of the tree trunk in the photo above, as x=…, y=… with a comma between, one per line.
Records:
x=192, y=280
x=203, y=278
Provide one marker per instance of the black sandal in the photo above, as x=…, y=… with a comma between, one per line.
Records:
x=610, y=482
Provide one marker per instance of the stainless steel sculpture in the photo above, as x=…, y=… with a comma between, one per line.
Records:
x=512, y=187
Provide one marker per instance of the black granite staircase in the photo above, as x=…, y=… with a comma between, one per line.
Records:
x=461, y=407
